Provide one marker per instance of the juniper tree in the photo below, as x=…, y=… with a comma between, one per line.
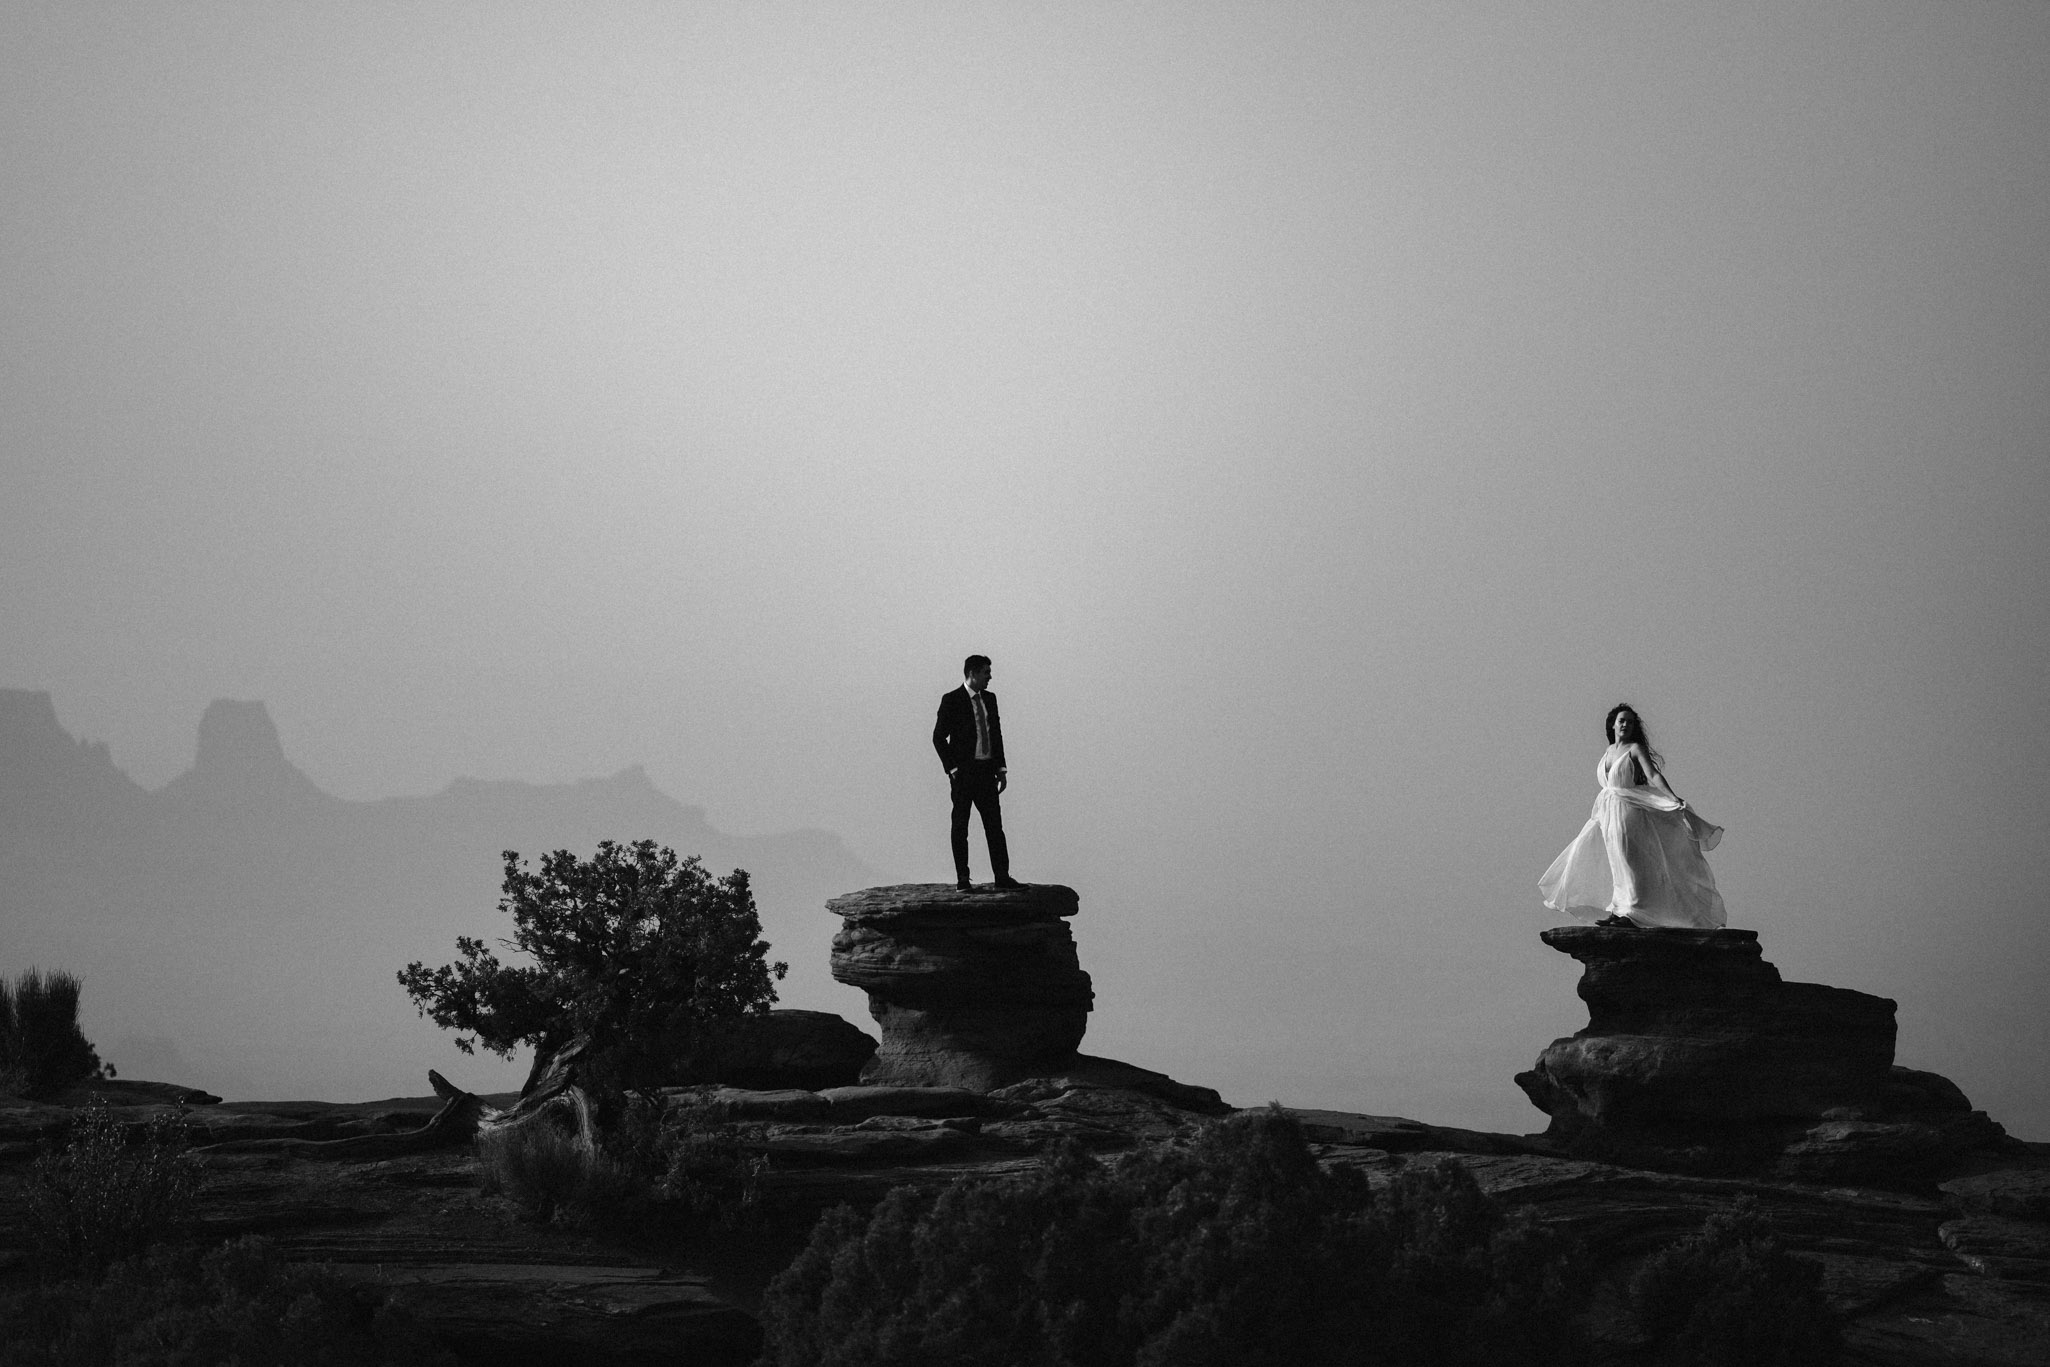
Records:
x=632, y=950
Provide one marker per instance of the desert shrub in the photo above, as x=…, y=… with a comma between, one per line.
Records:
x=109, y=1192
x=711, y=1173
x=1732, y=1293
x=541, y=1168
x=239, y=1303
x=1233, y=1248
x=1467, y=1282
x=632, y=950
x=650, y=1173
x=42, y=1049
x=13, y=1076
x=692, y=1168
x=551, y=1176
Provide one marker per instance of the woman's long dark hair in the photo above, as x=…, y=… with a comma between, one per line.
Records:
x=1643, y=736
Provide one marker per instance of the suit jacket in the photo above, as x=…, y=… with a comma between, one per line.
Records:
x=953, y=734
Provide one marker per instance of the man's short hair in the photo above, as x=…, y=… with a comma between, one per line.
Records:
x=973, y=663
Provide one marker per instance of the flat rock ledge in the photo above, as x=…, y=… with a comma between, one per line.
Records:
x=1698, y=1057
x=802, y=1132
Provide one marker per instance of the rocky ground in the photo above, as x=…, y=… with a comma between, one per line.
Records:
x=1953, y=1274
x=1702, y=1078
x=1957, y=1274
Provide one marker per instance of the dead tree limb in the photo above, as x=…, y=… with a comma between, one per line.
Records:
x=551, y=1090
x=455, y=1123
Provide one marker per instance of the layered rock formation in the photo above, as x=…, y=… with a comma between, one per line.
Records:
x=980, y=990
x=812, y=1050
x=970, y=989
x=1697, y=1056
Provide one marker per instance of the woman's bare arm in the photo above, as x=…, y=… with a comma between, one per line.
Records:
x=1640, y=765
x=1640, y=757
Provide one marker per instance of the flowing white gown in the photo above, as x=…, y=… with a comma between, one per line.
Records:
x=1640, y=855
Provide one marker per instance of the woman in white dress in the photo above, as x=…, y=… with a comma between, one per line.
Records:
x=1638, y=860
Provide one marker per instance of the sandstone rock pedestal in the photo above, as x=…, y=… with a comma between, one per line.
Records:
x=972, y=989
x=1698, y=1056
x=1694, y=1027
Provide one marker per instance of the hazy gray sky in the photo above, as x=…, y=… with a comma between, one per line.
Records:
x=1321, y=413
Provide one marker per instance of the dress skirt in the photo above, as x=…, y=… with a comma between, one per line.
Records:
x=1639, y=855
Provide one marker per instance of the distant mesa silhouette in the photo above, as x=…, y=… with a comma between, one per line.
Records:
x=1698, y=1057
x=36, y=742
x=55, y=786
x=241, y=759
x=238, y=738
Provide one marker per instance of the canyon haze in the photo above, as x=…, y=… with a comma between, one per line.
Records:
x=239, y=929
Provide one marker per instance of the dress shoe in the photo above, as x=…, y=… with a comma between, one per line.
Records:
x=964, y=885
x=1008, y=882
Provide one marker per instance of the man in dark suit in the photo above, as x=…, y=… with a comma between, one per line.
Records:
x=969, y=736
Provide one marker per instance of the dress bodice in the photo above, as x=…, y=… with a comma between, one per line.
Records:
x=1613, y=769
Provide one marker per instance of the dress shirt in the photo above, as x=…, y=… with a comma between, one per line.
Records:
x=981, y=723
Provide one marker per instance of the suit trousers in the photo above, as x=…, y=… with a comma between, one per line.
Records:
x=975, y=785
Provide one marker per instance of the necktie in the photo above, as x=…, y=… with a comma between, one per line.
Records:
x=981, y=729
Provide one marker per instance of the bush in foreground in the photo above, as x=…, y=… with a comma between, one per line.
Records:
x=1233, y=1248
x=110, y=1192
x=240, y=1303
x=1732, y=1293
x=42, y=1049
